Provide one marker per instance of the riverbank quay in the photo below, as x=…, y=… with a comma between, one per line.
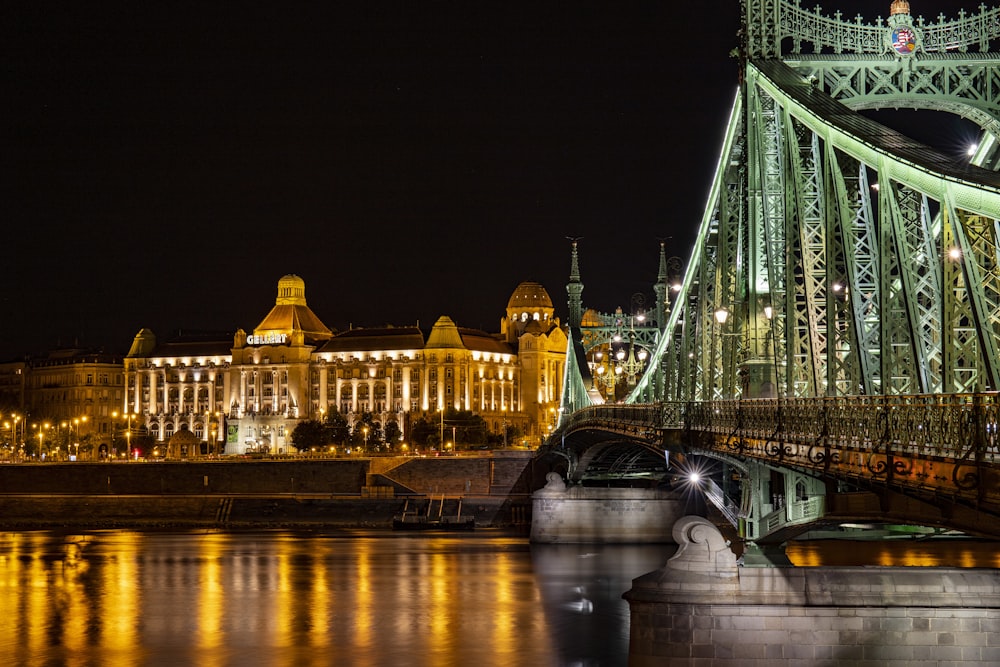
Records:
x=351, y=493
x=705, y=608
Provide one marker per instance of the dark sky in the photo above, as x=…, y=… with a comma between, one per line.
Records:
x=165, y=164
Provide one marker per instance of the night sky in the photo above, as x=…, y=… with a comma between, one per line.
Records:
x=165, y=164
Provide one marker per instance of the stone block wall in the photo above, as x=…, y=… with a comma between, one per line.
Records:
x=690, y=635
x=587, y=515
x=703, y=610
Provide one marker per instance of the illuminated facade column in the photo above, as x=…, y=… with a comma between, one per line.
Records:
x=405, y=378
x=354, y=396
x=136, y=391
x=258, y=386
x=425, y=389
x=323, y=401
x=275, y=392
x=338, y=386
x=153, y=408
x=244, y=408
x=515, y=397
x=466, y=382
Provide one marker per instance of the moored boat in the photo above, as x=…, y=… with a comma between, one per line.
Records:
x=426, y=521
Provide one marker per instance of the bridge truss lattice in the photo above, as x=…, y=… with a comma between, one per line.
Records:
x=837, y=256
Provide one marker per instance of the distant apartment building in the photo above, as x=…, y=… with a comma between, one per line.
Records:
x=55, y=403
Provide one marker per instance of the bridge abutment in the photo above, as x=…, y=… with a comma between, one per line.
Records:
x=580, y=514
x=703, y=609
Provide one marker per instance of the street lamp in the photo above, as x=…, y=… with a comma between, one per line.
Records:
x=128, y=435
x=81, y=420
x=41, y=437
x=364, y=429
x=632, y=366
x=15, y=419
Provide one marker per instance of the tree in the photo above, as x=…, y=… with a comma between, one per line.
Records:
x=425, y=431
x=336, y=428
x=469, y=428
x=392, y=434
x=309, y=434
x=367, y=431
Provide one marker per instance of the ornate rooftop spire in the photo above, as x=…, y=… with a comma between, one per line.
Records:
x=575, y=288
x=660, y=288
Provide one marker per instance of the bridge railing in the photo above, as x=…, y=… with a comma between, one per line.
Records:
x=953, y=426
x=949, y=426
x=934, y=443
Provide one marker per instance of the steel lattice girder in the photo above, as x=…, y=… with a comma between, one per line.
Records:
x=809, y=196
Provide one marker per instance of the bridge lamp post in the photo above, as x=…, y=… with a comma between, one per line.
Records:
x=632, y=366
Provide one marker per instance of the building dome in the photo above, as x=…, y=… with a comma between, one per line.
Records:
x=445, y=335
x=591, y=318
x=291, y=291
x=529, y=296
x=290, y=316
x=529, y=303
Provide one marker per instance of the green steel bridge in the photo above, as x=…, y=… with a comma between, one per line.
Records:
x=834, y=337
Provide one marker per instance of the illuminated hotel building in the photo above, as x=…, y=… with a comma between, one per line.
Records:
x=248, y=392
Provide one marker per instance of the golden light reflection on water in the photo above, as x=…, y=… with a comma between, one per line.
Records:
x=362, y=602
x=211, y=601
x=895, y=553
x=215, y=598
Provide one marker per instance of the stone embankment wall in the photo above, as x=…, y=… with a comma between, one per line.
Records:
x=331, y=492
x=704, y=610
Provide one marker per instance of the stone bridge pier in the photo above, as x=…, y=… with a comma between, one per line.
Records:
x=703, y=608
x=600, y=515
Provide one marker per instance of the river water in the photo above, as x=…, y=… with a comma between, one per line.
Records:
x=214, y=599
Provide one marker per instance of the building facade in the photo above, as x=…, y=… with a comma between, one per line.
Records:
x=56, y=404
x=247, y=392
